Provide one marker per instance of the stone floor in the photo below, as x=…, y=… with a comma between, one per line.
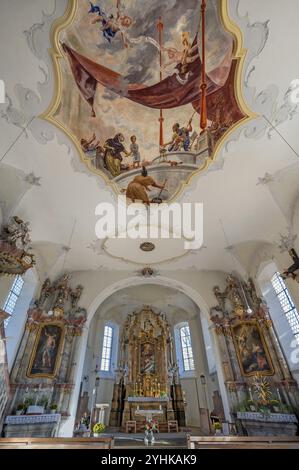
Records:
x=162, y=440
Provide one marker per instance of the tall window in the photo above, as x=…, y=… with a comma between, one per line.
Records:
x=107, y=349
x=185, y=337
x=11, y=300
x=286, y=303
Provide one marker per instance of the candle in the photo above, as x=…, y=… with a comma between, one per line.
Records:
x=278, y=395
x=250, y=394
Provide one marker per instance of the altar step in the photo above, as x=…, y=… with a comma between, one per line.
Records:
x=243, y=442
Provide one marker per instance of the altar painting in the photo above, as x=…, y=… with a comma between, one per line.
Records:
x=45, y=357
x=147, y=358
x=251, y=349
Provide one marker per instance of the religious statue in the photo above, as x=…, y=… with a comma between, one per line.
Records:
x=233, y=292
x=62, y=291
x=75, y=296
x=45, y=293
x=16, y=232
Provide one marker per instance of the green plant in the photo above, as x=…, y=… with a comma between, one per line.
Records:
x=98, y=428
x=264, y=409
x=29, y=401
x=286, y=409
x=20, y=406
x=53, y=406
x=43, y=401
x=163, y=394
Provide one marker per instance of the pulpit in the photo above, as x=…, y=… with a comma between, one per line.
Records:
x=147, y=377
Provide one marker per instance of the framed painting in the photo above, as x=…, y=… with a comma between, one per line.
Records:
x=46, y=354
x=147, y=362
x=251, y=349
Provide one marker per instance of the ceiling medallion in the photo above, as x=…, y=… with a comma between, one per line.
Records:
x=147, y=246
x=181, y=108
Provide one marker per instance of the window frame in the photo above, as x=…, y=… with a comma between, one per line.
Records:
x=284, y=298
x=187, y=354
x=105, y=348
x=15, y=291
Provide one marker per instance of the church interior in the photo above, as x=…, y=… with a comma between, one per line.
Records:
x=181, y=333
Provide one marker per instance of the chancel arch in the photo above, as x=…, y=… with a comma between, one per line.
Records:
x=159, y=309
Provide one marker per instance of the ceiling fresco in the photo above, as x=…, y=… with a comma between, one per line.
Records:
x=148, y=90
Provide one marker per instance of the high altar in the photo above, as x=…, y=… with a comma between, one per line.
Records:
x=147, y=376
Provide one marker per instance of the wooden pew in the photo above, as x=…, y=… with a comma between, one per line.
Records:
x=242, y=442
x=56, y=443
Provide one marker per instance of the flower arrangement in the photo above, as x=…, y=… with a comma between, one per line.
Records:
x=151, y=426
x=163, y=394
x=217, y=426
x=98, y=428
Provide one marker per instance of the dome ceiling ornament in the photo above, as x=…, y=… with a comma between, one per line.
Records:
x=160, y=109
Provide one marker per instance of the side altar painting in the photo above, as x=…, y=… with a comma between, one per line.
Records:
x=251, y=349
x=145, y=85
x=46, y=351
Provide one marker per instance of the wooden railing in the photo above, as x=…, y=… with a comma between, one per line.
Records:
x=236, y=442
x=56, y=443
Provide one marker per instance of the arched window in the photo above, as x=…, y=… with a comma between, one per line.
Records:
x=12, y=298
x=186, y=348
x=107, y=349
x=286, y=303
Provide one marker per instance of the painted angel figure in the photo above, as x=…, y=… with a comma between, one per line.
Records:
x=111, y=25
x=179, y=60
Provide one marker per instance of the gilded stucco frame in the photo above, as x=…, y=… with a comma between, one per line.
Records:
x=264, y=344
x=58, y=54
x=58, y=355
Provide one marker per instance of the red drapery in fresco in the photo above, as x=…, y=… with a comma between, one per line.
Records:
x=166, y=94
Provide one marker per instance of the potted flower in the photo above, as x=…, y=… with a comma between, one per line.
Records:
x=150, y=427
x=251, y=405
x=163, y=394
x=98, y=429
x=53, y=408
x=20, y=409
x=218, y=428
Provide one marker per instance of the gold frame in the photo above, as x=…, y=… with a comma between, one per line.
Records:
x=264, y=344
x=58, y=54
x=58, y=355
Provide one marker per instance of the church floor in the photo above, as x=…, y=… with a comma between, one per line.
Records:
x=162, y=440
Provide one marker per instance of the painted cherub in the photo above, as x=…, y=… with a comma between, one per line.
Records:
x=111, y=25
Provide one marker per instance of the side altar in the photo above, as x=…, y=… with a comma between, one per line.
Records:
x=147, y=376
x=42, y=378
